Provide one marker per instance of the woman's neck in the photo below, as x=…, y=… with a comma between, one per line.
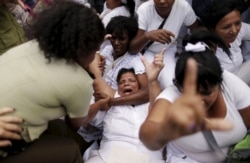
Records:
x=111, y=7
x=115, y=56
x=218, y=109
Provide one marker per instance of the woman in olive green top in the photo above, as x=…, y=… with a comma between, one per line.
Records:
x=45, y=79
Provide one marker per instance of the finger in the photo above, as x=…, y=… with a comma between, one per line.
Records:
x=163, y=50
x=162, y=41
x=158, y=59
x=171, y=34
x=10, y=127
x=6, y=110
x=218, y=124
x=167, y=40
x=11, y=119
x=189, y=86
x=8, y=134
x=107, y=36
x=5, y=143
x=160, y=56
x=197, y=123
x=168, y=36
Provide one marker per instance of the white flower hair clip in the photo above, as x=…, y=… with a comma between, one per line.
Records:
x=198, y=47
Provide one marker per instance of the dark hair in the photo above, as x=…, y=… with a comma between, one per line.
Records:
x=131, y=7
x=243, y=5
x=123, y=71
x=208, y=37
x=202, y=8
x=209, y=69
x=121, y=24
x=68, y=30
x=211, y=12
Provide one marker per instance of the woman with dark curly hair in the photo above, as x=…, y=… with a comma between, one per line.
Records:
x=45, y=79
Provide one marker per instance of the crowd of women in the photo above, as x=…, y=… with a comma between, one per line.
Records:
x=123, y=68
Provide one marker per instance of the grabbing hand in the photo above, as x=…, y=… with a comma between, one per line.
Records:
x=9, y=127
x=103, y=100
x=97, y=65
x=107, y=36
x=160, y=35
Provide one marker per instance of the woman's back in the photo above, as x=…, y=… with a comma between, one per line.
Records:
x=34, y=87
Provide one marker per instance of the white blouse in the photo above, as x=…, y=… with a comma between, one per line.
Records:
x=236, y=96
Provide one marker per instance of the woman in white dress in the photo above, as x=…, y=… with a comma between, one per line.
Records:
x=226, y=22
x=194, y=104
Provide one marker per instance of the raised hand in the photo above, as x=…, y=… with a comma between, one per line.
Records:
x=153, y=69
x=97, y=65
x=160, y=35
x=102, y=64
x=188, y=113
x=9, y=127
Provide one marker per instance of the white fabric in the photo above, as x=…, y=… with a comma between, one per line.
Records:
x=118, y=11
x=148, y=19
x=107, y=15
x=138, y=3
x=244, y=72
x=82, y=2
x=126, y=61
x=121, y=130
x=195, y=147
x=246, y=45
x=198, y=47
x=167, y=73
x=237, y=58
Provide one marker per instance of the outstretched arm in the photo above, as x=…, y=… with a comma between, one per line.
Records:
x=100, y=104
x=153, y=70
x=142, y=38
x=167, y=121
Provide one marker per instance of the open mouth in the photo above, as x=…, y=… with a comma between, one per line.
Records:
x=127, y=90
x=232, y=37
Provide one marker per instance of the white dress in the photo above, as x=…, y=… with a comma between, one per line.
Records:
x=107, y=15
x=194, y=148
x=126, y=61
x=236, y=60
x=121, y=126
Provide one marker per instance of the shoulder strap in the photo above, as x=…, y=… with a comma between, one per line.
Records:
x=212, y=142
x=151, y=42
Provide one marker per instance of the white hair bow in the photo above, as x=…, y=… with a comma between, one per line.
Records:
x=198, y=47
